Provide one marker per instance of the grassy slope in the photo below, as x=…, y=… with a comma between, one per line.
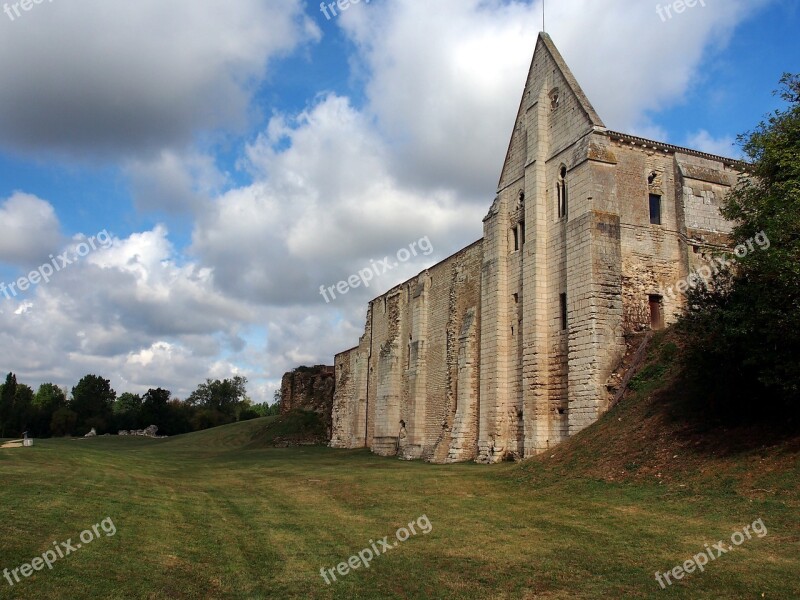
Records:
x=220, y=514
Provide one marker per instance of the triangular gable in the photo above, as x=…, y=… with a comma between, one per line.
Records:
x=548, y=68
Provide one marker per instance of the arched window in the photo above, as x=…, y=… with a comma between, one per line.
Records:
x=563, y=194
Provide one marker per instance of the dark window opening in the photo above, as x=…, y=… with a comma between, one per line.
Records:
x=563, y=193
x=656, y=312
x=563, y=302
x=515, y=231
x=521, y=234
x=655, y=209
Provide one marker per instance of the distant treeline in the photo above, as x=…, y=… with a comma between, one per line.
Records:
x=93, y=404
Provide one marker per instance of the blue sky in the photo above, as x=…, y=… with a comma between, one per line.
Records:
x=243, y=155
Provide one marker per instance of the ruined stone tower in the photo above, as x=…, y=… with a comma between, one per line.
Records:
x=505, y=349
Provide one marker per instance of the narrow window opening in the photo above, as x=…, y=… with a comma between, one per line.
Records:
x=515, y=231
x=655, y=209
x=656, y=312
x=521, y=234
x=563, y=307
x=563, y=193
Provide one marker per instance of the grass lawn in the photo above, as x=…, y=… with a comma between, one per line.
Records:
x=217, y=514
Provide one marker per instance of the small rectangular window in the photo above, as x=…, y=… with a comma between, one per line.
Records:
x=656, y=312
x=515, y=232
x=563, y=307
x=655, y=209
x=521, y=234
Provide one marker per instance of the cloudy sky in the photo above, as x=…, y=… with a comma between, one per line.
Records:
x=206, y=166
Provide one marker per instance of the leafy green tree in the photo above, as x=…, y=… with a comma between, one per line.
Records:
x=63, y=422
x=128, y=411
x=179, y=418
x=93, y=401
x=22, y=418
x=8, y=393
x=226, y=397
x=745, y=329
x=155, y=407
x=48, y=399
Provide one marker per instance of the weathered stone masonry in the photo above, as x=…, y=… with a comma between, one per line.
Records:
x=505, y=349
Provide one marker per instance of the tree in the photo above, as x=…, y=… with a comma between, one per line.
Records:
x=63, y=422
x=155, y=407
x=8, y=392
x=48, y=399
x=93, y=401
x=22, y=416
x=128, y=412
x=745, y=329
x=225, y=397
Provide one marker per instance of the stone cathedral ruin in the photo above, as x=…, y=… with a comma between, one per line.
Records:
x=507, y=347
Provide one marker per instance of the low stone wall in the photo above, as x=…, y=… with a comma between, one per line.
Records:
x=311, y=389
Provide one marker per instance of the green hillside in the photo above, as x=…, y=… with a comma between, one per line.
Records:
x=223, y=514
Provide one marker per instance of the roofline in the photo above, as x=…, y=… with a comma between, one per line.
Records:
x=583, y=99
x=636, y=140
x=407, y=281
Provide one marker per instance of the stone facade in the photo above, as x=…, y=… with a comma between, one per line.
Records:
x=311, y=389
x=504, y=349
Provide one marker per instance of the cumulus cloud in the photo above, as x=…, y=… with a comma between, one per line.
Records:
x=723, y=146
x=29, y=228
x=415, y=150
x=174, y=182
x=135, y=77
x=131, y=312
x=445, y=79
x=324, y=205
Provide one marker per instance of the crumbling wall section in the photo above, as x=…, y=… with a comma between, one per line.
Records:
x=311, y=389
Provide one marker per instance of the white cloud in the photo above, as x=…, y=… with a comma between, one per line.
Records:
x=173, y=182
x=29, y=230
x=723, y=146
x=127, y=78
x=334, y=185
x=322, y=207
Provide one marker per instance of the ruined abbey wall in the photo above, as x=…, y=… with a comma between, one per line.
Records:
x=507, y=348
x=411, y=386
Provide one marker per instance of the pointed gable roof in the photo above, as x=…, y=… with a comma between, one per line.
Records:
x=546, y=60
x=546, y=42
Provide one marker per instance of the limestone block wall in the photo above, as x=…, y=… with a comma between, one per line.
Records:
x=472, y=358
x=350, y=408
x=311, y=389
x=411, y=388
